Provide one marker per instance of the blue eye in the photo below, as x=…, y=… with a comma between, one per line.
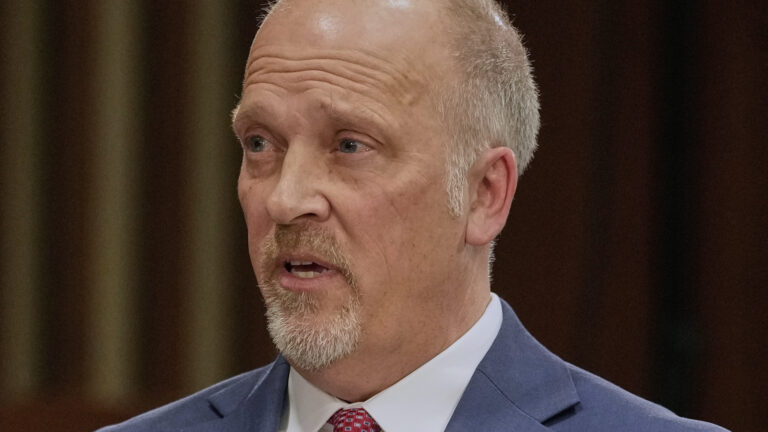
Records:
x=255, y=143
x=350, y=146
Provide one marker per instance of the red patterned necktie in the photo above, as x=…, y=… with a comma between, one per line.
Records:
x=353, y=420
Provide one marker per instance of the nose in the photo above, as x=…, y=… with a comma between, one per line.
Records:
x=297, y=196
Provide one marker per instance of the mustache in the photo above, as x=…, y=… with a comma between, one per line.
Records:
x=306, y=238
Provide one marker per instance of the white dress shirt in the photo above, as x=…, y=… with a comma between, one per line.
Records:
x=422, y=401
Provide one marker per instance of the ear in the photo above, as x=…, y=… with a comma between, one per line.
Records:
x=492, y=181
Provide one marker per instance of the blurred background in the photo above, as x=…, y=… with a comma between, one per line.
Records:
x=637, y=246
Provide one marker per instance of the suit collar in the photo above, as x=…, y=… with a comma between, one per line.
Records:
x=518, y=385
x=248, y=405
x=518, y=374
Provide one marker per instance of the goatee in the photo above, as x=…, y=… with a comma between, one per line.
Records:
x=308, y=341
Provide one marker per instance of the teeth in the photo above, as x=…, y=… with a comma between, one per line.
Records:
x=305, y=275
x=298, y=267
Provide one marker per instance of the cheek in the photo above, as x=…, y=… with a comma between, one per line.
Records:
x=401, y=226
x=254, y=210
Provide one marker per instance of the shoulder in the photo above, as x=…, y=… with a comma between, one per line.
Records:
x=191, y=410
x=603, y=406
x=564, y=397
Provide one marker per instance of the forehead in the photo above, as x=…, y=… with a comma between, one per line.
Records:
x=400, y=38
x=385, y=55
x=382, y=24
x=356, y=72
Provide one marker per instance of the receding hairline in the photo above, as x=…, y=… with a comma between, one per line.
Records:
x=447, y=62
x=478, y=33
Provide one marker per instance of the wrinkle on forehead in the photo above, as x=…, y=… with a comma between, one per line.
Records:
x=400, y=43
x=357, y=71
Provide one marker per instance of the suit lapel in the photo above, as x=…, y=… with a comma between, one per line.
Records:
x=517, y=386
x=256, y=408
x=484, y=408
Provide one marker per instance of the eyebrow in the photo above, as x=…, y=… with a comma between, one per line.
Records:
x=233, y=116
x=346, y=115
x=250, y=112
x=356, y=114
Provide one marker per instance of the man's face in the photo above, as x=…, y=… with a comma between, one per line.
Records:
x=342, y=180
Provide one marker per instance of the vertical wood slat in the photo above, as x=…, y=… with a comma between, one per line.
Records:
x=211, y=179
x=731, y=104
x=163, y=153
x=548, y=223
x=620, y=271
x=67, y=127
x=112, y=272
x=20, y=169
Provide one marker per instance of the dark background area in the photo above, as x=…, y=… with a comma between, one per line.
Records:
x=636, y=246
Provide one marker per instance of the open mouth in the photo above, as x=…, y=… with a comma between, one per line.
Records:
x=304, y=269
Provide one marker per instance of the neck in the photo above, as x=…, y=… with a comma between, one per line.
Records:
x=373, y=368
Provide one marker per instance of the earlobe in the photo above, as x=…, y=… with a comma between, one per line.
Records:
x=493, y=181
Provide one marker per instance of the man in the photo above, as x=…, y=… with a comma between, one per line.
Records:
x=382, y=142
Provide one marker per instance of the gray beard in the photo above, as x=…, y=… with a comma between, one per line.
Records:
x=306, y=340
x=308, y=343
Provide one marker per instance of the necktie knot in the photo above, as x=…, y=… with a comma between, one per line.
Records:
x=353, y=420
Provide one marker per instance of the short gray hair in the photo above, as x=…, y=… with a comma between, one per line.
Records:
x=494, y=101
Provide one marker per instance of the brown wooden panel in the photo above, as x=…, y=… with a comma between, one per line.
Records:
x=731, y=201
x=574, y=258
x=615, y=308
x=542, y=253
x=65, y=414
x=163, y=152
x=67, y=135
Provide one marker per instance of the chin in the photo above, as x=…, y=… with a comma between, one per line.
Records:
x=310, y=337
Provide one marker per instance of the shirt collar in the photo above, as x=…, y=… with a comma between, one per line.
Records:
x=435, y=387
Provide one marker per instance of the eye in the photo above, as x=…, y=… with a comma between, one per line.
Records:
x=348, y=145
x=256, y=143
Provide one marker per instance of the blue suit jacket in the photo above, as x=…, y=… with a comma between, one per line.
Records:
x=519, y=386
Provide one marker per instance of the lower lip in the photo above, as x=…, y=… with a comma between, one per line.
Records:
x=294, y=283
